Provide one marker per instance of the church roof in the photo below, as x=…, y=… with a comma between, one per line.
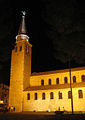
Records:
x=57, y=71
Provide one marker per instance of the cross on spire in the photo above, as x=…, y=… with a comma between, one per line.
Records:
x=24, y=13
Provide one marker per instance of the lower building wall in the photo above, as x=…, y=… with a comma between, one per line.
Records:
x=15, y=100
x=55, y=103
x=78, y=103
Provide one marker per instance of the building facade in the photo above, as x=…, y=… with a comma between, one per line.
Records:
x=4, y=94
x=46, y=91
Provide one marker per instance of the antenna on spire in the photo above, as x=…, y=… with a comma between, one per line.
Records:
x=24, y=13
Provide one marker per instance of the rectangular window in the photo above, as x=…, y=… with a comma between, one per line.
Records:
x=65, y=80
x=43, y=96
x=35, y=96
x=49, y=81
x=80, y=93
x=57, y=80
x=83, y=78
x=42, y=82
x=74, y=79
x=28, y=96
x=51, y=95
x=69, y=94
x=60, y=95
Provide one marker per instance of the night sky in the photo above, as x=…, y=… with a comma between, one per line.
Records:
x=56, y=30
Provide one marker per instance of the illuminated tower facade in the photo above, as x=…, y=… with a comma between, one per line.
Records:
x=44, y=91
x=20, y=68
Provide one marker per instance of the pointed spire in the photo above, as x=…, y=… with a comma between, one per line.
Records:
x=22, y=33
x=22, y=28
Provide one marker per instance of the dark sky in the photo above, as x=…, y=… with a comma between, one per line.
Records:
x=56, y=30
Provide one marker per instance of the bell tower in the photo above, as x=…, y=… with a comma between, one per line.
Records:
x=20, y=67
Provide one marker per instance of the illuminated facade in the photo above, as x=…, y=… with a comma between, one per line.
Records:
x=46, y=91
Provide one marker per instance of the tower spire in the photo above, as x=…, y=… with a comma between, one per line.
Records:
x=22, y=33
x=22, y=28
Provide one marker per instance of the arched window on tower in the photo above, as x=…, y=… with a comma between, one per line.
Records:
x=27, y=49
x=15, y=49
x=20, y=48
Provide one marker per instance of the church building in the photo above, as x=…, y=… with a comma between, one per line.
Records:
x=44, y=91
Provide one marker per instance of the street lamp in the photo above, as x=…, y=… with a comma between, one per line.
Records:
x=71, y=84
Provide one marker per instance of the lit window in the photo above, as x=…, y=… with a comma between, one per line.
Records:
x=57, y=80
x=20, y=49
x=83, y=78
x=80, y=93
x=35, y=96
x=51, y=95
x=49, y=81
x=74, y=79
x=43, y=96
x=65, y=80
x=60, y=95
x=42, y=82
x=15, y=49
x=69, y=94
x=28, y=96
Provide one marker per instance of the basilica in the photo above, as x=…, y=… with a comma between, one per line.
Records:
x=44, y=91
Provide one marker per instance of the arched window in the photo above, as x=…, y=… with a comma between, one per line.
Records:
x=69, y=94
x=42, y=82
x=28, y=96
x=20, y=48
x=57, y=80
x=35, y=96
x=74, y=79
x=83, y=78
x=43, y=96
x=27, y=49
x=15, y=49
x=65, y=80
x=51, y=95
x=49, y=81
x=80, y=93
x=60, y=95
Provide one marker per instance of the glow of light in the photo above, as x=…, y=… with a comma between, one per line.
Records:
x=1, y=101
x=48, y=110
